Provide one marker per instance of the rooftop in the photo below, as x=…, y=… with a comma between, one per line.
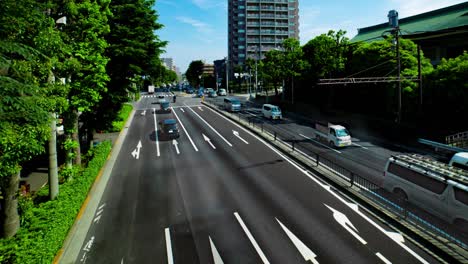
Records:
x=448, y=20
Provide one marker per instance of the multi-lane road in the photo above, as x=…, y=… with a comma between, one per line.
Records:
x=219, y=194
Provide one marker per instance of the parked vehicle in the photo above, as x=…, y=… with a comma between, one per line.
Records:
x=222, y=92
x=271, y=111
x=232, y=104
x=209, y=90
x=169, y=129
x=431, y=185
x=151, y=89
x=334, y=135
x=460, y=160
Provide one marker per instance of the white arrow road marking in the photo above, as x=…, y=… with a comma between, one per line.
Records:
x=216, y=257
x=252, y=239
x=384, y=259
x=143, y=113
x=170, y=258
x=183, y=111
x=176, y=145
x=185, y=130
x=395, y=236
x=343, y=220
x=209, y=141
x=237, y=135
x=217, y=133
x=121, y=262
x=201, y=109
x=305, y=251
x=325, y=187
x=156, y=132
x=136, y=152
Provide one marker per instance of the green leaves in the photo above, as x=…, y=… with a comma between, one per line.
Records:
x=194, y=72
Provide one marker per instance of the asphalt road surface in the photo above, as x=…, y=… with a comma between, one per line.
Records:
x=218, y=194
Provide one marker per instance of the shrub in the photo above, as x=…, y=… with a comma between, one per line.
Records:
x=122, y=117
x=45, y=225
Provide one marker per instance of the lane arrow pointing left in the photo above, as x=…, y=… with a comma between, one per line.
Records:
x=136, y=152
x=238, y=136
x=209, y=141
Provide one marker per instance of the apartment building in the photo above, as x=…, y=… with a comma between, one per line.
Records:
x=257, y=26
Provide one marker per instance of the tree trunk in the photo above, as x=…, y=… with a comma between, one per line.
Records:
x=53, y=170
x=11, y=221
x=76, y=138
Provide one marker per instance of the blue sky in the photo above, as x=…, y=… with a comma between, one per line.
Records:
x=197, y=29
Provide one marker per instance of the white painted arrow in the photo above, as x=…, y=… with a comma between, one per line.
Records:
x=216, y=257
x=176, y=145
x=237, y=135
x=343, y=220
x=209, y=141
x=143, y=113
x=200, y=108
x=303, y=249
x=136, y=152
x=183, y=111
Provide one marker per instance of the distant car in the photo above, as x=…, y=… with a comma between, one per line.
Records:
x=161, y=96
x=165, y=106
x=169, y=128
x=212, y=94
x=189, y=91
x=222, y=92
x=271, y=111
x=209, y=90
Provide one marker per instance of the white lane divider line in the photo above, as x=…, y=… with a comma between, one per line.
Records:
x=216, y=257
x=251, y=238
x=207, y=139
x=359, y=145
x=238, y=136
x=313, y=140
x=327, y=188
x=170, y=258
x=185, y=130
x=204, y=121
x=156, y=132
x=306, y=253
x=384, y=259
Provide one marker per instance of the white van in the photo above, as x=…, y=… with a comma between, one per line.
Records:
x=430, y=185
x=232, y=104
x=271, y=111
x=460, y=160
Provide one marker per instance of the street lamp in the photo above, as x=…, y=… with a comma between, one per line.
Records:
x=393, y=22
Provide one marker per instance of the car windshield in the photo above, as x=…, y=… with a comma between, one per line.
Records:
x=235, y=102
x=275, y=109
x=342, y=133
x=172, y=127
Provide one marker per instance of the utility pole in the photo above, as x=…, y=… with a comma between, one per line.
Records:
x=420, y=81
x=393, y=22
x=227, y=75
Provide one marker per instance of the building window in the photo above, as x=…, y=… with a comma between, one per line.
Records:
x=241, y=30
x=241, y=55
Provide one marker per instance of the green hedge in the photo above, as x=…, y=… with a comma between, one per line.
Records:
x=44, y=226
x=122, y=117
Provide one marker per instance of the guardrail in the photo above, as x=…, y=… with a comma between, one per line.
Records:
x=452, y=242
x=438, y=145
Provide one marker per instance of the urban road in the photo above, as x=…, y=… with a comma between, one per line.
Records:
x=218, y=194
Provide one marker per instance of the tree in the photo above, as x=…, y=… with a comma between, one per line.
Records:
x=194, y=73
x=134, y=50
x=87, y=26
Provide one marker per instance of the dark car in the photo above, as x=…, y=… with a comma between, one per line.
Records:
x=190, y=91
x=169, y=129
x=165, y=106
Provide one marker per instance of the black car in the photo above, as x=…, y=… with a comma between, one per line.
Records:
x=169, y=129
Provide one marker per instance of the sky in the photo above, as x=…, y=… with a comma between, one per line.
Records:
x=197, y=29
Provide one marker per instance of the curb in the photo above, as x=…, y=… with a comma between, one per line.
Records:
x=72, y=245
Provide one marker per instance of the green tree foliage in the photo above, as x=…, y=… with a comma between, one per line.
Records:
x=194, y=72
x=134, y=50
x=87, y=25
x=446, y=96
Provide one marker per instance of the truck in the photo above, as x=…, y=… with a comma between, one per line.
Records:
x=151, y=89
x=334, y=135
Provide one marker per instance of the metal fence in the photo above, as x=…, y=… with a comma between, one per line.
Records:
x=382, y=199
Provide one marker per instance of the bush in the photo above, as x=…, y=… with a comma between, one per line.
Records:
x=122, y=117
x=46, y=225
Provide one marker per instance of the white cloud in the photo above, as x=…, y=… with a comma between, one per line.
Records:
x=200, y=26
x=208, y=4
